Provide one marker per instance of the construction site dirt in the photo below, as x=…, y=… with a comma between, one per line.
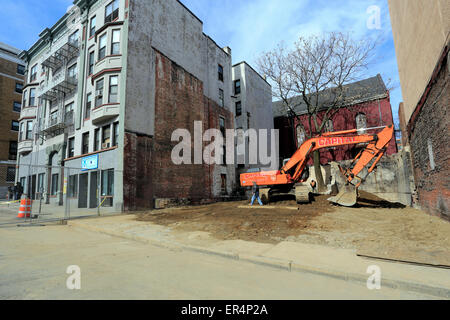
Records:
x=374, y=227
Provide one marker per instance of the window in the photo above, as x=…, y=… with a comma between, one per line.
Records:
x=96, y=139
x=73, y=38
x=106, y=137
x=92, y=26
x=20, y=69
x=87, y=111
x=361, y=122
x=72, y=72
x=23, y=181
x=238, y=108
x=54, y=118
x=40, y=184
x=431, y=154
x=237, y=87
x=329, y=126
x=102, y=47
x=12, y=150
x=115, y=134
x=107, y=186
x=17, y=106
x=113, y=89
x=223, y=178
x=68, y=113
x=24, y=100
x=85, y=143
x=15, y=125
x=115, y=46
x=21, y=133
x=112, y=11
x=71, y=148
x=72, y=191
x=91, y=63
x=19, y=87
x=301, y=135
x=99, y=93
x=55, y=186
x=32, y=97
x=10, y=174
x=221, y=101
x=222, y=130
x=220, y=69
x=33, y=73
x=29, y=135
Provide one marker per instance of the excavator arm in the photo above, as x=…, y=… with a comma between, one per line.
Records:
x=292, y=171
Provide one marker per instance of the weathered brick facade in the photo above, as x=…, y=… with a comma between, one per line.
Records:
x=429, y=139
x=8, y=79
x=149, y=170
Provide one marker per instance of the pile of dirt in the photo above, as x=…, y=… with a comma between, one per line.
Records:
x=374, y=227
x=226, y=221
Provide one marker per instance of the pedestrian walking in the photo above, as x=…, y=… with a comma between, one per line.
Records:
x=255, y=190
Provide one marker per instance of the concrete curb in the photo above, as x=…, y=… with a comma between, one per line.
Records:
x=273, y=263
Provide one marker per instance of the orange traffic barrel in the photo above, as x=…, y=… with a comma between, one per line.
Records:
x=25, y=208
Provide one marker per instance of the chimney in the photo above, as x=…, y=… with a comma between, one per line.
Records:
x=227, y=50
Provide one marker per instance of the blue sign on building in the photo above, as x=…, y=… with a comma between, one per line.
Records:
x=89, y=163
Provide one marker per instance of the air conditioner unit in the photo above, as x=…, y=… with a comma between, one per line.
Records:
x=98, y=93
x=105, y=145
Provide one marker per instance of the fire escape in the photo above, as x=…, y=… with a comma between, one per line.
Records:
x=57, y=88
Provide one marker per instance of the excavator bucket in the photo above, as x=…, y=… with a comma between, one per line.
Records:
x=346, y=197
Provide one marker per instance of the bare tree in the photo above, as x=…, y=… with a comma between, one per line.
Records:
x=317, y=69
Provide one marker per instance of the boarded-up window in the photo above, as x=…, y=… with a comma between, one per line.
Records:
x=301, y=135
x=361, y=122
x=329, y=126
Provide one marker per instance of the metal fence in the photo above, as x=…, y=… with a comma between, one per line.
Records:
x=56, y=193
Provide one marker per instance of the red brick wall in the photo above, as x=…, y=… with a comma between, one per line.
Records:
x=149, y=172
x=433, y=123
x=179, y=102
x=345, y=119
x=137, y=177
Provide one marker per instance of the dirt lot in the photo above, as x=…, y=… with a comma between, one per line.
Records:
x=374, y=227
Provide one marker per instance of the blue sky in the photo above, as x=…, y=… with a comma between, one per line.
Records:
x=249, y=27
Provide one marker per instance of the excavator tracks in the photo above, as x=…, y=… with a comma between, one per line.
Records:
x=302, y=194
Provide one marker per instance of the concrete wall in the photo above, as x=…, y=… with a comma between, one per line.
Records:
x=256, y=102
x=392, y=180
x=421, y=29
x=169, y=27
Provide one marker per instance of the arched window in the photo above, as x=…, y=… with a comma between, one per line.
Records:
x=301, y=135
x=329, y=126
x=361, y=122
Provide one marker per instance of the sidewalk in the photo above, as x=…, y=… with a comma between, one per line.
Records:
x=290, y=256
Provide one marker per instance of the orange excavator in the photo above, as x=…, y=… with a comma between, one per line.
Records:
x=291, y=178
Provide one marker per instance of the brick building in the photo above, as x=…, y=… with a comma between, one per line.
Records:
x=113, y=79
x=421, y=32
x=367, y=104
x=12, y=70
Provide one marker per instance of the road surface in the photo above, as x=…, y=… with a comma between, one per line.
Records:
x=34, y=261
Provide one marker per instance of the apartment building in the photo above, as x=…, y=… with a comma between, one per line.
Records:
x=12, y=71
x=421, y=31
x=106, y=87
x=253, y=110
